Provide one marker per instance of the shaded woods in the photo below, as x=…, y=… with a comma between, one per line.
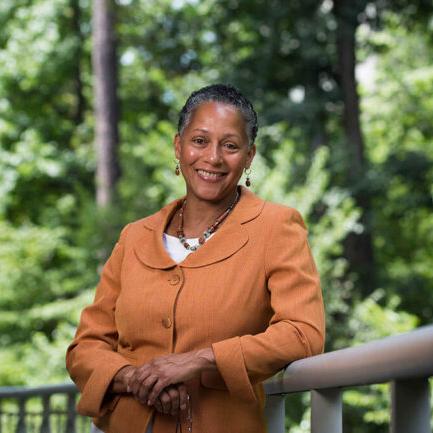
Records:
x=89, y=100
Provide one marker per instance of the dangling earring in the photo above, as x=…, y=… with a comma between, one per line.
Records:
x=247, y=180
x=177, y=169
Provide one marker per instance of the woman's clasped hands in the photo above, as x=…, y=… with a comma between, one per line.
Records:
x=161, y=382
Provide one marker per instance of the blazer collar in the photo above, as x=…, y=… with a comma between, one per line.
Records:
x=227, y=240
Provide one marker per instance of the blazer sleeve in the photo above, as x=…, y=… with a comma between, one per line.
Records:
x=297, y=327
x=91, y=359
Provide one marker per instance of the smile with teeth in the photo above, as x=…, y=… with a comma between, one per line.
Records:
x=209, y=175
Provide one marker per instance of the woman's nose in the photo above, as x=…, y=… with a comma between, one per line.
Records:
x=213, y=153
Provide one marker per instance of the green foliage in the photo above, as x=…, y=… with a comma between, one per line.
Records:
x=282, y=55
x=397, y=119
x=371, y=321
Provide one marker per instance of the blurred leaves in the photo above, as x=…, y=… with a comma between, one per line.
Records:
x=283, y=56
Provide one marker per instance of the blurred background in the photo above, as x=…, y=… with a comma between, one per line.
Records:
x=344, y=95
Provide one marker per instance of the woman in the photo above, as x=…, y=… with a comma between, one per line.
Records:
x=202, y=301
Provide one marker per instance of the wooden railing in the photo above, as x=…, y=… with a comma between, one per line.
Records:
x=405, y=360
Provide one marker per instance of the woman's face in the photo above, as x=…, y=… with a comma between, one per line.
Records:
x=213, y=151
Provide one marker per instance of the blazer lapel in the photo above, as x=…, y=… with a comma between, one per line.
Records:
x=227, y=240
x=149, y=248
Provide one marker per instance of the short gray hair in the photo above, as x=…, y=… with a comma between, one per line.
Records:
x=226, y=94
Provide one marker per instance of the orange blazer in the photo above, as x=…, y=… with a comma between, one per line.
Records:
x=251, y=292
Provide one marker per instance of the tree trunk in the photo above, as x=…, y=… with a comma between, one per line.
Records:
x=106, y=104
x=346, y=46
x=80, y=104
x=358, y=247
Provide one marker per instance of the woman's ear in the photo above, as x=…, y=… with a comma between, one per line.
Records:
x=176, y=142
x=250, y=155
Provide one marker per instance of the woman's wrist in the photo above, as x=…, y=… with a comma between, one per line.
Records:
x=206, y=359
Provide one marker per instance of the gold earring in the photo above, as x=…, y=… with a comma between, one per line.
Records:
x=177, y=168
x=247, y=180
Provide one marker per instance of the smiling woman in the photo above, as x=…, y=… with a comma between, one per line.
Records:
x=215, y=143
x=213, y=151
x=203, y=300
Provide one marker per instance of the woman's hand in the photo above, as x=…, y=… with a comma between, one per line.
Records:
x=120, y=380
x=148, y=381
x=172, y=400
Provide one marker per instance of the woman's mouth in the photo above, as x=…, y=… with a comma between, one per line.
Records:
x=210, y=176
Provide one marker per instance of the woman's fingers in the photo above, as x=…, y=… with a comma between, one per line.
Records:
x=162, y=374
x=121, y=379
x=183, y=397
x=145, y=388
x=140, y=374
x=169, y=369
x=158, y=405
x=165, y=400
x=157, y=388
x=169, y=400
x=173, y=393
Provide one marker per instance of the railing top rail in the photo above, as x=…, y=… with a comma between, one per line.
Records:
x=402, y=356
x=45, y=390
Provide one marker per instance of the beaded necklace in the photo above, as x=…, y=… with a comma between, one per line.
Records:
x=211, y=229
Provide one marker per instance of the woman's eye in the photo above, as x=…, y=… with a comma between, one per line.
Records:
x=199, y=140
x=231, y=146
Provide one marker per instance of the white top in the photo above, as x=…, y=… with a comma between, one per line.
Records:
x=175, y=249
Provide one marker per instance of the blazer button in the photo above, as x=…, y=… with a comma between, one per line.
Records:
x=166, y=322
x=174, y=279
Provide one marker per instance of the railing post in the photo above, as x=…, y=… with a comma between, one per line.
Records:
x=275, y=413
x=45, y=425
x=70, y=419
x=326, y=411
x=21, y=425
x=410, y=406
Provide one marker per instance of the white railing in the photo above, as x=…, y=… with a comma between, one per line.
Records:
x=405, y=360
